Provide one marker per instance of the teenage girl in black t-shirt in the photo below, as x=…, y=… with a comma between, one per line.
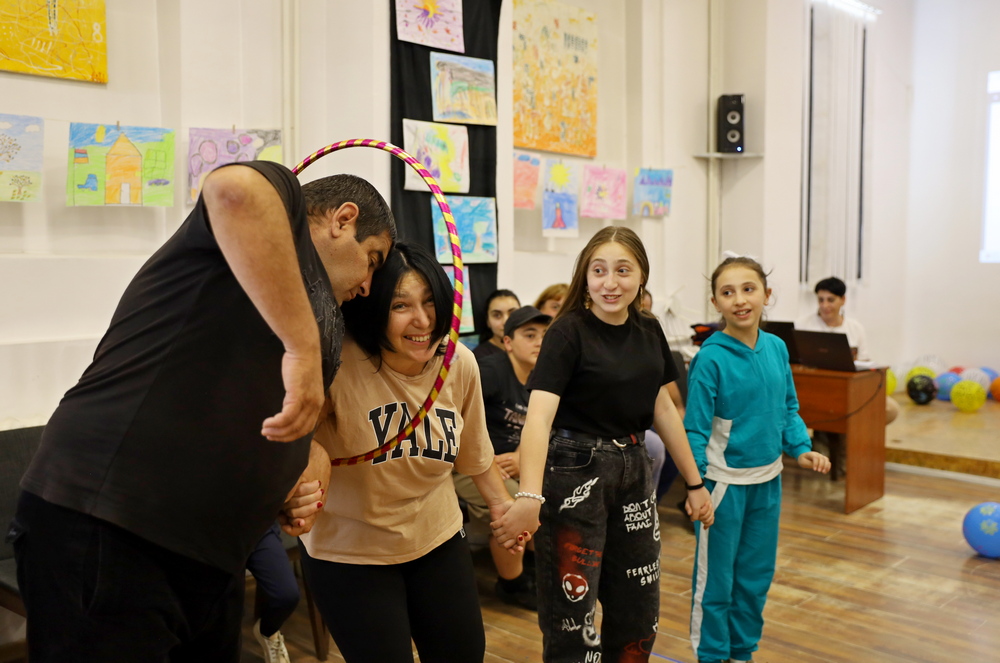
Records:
x=599, y=383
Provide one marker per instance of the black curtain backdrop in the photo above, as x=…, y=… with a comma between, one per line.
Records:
x=410, y=66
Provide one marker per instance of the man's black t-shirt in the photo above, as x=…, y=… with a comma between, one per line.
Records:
x=161, y=435
x=506, y=401
x=607, y=376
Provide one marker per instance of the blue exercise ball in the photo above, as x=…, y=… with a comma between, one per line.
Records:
x=944, y=383
x=982, y=529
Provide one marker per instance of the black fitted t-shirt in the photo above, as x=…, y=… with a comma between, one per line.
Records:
x=607, y=376
x=506, y=401
x=161, y=435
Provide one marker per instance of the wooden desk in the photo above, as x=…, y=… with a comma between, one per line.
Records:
x=826, y=398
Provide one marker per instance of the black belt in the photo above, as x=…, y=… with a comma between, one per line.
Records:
x=601, y=442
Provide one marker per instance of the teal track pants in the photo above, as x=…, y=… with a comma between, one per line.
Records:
x=734, y=566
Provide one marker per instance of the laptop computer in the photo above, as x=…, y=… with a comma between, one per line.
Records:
x=786, y=332
x=827, y=350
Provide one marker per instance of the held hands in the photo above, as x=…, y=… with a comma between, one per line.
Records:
x=699, y=506
x=301, y=508
x=509, y=464
x=514, y=543
x=302, y=375
x=514, y=526
x=813, y=460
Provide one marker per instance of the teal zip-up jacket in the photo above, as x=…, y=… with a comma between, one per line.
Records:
x=742, y=411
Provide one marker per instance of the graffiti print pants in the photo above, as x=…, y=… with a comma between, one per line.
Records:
x=599, y=540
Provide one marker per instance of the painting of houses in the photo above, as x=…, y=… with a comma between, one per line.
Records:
x=112, y=164
x=123, y=173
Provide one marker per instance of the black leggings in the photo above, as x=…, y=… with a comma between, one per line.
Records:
x=373, y=610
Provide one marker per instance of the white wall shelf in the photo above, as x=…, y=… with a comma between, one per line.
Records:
x=730, y=155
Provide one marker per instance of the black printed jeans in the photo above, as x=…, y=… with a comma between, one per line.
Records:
x=599, y=540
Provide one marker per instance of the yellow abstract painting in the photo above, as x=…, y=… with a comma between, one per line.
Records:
x=555, y=77
x=59, y=38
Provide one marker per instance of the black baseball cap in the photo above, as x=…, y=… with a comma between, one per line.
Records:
x=523, y=316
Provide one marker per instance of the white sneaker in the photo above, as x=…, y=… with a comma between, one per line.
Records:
x=274, y=647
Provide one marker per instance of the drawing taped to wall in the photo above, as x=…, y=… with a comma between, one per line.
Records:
x=651, y=192
x=468, y=325
x=58, y=38
x=604, y=193
x=443, y=149
x=463, y=89
x=526, y=169
x=111, y=164
x=434, y=23
x=21, y=138
x=210, y=148
x=476, y=222
x=555, y=77
x=560, y=217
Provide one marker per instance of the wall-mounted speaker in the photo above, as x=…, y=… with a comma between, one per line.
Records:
x=729, y=133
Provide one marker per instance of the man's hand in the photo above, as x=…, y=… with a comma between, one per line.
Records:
x=510, y=464
x=301, y=509
x=302, y=375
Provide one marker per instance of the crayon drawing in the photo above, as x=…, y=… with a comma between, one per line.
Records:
x=652, y=191
x=434, y=23
x=560, y=217
x=443, y=149
x=604, y=193
x=555, y=77
x=526, y=167
x=463, y=89
x=476, y=221
x=468, y=325
x=119, y=165
x=210, y=148
x=20, y=157
x=58, y=38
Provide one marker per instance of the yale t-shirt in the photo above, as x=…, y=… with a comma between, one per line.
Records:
x=401, y=505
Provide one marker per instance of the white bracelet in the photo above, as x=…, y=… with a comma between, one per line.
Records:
x=531, y=495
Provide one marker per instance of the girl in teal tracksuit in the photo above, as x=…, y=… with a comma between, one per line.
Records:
x=742, y=412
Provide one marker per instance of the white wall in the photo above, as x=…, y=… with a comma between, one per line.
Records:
x=950, y=298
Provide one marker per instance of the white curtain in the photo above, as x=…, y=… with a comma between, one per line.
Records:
x=831, y=233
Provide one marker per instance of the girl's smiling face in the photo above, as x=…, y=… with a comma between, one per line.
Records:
x=740, y=297
x=411, y=324
x=613, y=281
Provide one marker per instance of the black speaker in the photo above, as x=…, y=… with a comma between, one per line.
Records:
x=729, y=131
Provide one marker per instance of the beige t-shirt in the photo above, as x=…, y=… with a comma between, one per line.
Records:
x=400, y=506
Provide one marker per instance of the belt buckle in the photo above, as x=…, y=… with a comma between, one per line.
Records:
x=620, y=445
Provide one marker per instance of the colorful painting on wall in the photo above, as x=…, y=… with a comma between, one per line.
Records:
x=210, y=148
x=21, y=157
x=467, y=325
x=604, y=193
x=58, y=38
x=555, y=77
x=463, y=89
x=443, y=149
x=119, y=165
x=526, y=167
x=476, y=221
x=434, y=23
x=651, y=192
x=560, y=216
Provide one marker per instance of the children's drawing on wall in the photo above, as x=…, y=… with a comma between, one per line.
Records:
x=118, y=165
x=210, y=148
x=555, y=77
x=651, y=192
x=58, y=38
x=526, y=167
x=476, y=221
x=463, y=89
x=443, y=149
x=434, y=23
x=468, y=325
x=20, y=157
x=559, y=201
x=604, y=193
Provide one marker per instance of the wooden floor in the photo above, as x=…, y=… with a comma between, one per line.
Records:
x=893, y=582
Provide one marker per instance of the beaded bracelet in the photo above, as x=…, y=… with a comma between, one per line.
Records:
x=531, y=495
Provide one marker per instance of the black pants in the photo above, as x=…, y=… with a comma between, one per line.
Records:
x=599, y=540
x=269, y=565
x=95, y=592
x=374, y=610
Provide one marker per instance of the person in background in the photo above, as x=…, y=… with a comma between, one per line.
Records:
x=551, y=299
x=499, y=305
x=506, y=399
x=276, y=581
